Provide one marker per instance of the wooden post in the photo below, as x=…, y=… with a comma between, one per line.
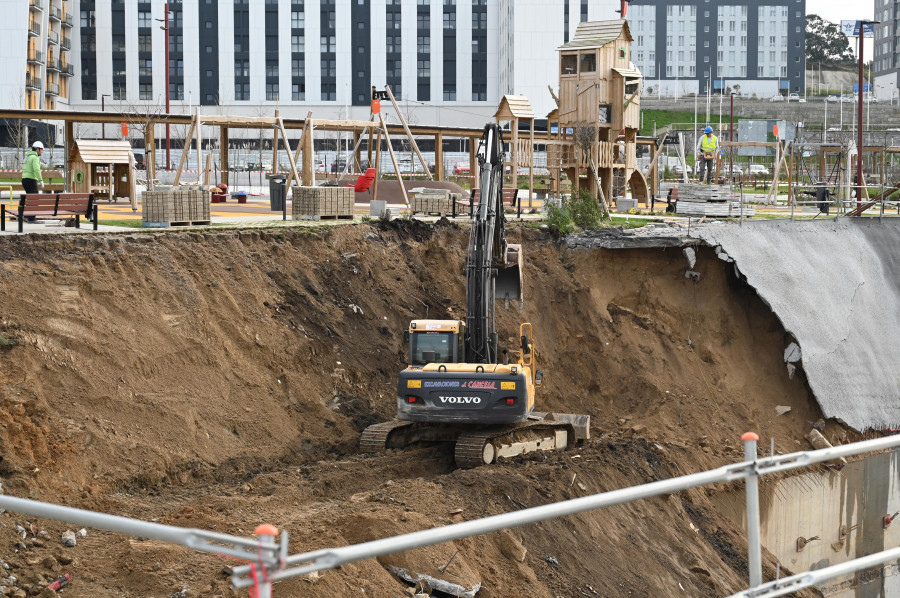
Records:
x=357, y=152
x=439, y=156
x=790, y=172
x=290, y=156
x=514, y=150
x=309, y=174
x=409, y=135
x=531, y=166
x=150, y=155
x=300, y=146
x=387, y=138
x=473, y=160
x=223, y=152
x=377, y=164
x=184, y=153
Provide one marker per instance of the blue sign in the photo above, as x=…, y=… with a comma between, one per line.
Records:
x=867, y=87
x=851, y=29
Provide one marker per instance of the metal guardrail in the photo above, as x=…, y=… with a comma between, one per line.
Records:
x=269, y=558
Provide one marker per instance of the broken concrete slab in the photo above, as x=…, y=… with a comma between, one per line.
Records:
x=440, y=585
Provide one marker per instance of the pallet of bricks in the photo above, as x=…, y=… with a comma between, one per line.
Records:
x=431, y=201
x=710, y=200
x=176, y=206
x=322, y=203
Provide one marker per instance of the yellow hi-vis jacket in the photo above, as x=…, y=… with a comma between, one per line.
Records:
x=709, y=146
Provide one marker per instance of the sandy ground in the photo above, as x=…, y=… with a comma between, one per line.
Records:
x=220, y=379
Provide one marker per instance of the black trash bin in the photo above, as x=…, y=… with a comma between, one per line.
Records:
x=822, y=193
x=277, y=192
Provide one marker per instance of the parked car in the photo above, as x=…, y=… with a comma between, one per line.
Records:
x=832, y=99
x=848, y=97
x=793, y=97
x=461, y=168
x=338, y=165
x=738, y=171
x=758, y=170
x=870, y=99
x=321, y=167
x=777, y=98
x=677, y=169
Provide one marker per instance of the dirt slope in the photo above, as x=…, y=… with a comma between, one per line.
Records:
x=220, y=380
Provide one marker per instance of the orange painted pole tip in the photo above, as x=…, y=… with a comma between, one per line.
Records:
x=750, y=436
x=266, y=529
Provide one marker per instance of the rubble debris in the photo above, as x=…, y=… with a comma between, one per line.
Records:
x=782, y=409
x=820, y=442
x=691, y=256
x=439, y=585
x=68, y=538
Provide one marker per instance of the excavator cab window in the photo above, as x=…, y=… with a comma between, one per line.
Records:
x=432, y=347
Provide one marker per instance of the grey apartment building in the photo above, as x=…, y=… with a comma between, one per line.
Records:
x=749, y=46
x=886, y=59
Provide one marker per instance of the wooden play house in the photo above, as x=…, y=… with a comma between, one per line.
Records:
x=599, y=111
x=102, y=167
x=512, y=111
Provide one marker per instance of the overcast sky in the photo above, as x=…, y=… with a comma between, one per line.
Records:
x=836, y=10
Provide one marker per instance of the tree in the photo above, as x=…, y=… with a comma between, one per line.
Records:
x=826, y=44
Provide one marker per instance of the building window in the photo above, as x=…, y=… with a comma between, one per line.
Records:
x=145, y=91
x=393, y=43
x=424, y=44
x=423, y=68
x=297, y=67
x=328, y=44
x=145, y=43
x=145, y=19
x=87, y=18
x=449, y=20
x=145, y=67
x=298, y=21
x=449, y=93
x=271, y=92
x=242, y=92
x=298, y=43
x=298, y=92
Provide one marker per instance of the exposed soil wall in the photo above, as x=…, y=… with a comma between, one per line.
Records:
x=220, y=380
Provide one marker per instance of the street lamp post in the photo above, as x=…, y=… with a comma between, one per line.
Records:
x=103, y=109
x=165, y=27
x=859, y=114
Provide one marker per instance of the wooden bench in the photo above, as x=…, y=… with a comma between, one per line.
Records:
x=57, y=206
x=510, y=200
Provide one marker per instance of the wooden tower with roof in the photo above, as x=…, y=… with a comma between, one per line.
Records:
x=599, y=111
x=512, y=110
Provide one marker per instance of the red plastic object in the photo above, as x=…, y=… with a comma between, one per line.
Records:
x=59, y=582
x=219, y=197
x=364, y=182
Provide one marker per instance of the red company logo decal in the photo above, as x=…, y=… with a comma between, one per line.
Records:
x=481, y=384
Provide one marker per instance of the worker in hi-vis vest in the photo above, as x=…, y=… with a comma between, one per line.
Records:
x=707, y=151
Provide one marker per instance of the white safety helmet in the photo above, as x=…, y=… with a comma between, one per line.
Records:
x=37, y=145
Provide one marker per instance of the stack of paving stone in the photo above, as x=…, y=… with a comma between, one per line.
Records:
x=317, y=203
x=710, y=200
x=175, y=206
x=430, y=201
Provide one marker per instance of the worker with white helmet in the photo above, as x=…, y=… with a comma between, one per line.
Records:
x=707, y=151
x=32, y=181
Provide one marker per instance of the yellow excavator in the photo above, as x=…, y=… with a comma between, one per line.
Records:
x=459, y=387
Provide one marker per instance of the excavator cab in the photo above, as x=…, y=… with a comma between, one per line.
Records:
x=435, y=341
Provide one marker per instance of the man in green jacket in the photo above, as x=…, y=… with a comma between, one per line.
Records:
x=32, y=181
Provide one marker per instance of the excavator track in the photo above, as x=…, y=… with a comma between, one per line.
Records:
x=376, y=437
x=483, y=447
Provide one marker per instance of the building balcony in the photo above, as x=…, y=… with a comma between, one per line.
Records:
x=55, y=13
x=52, y=37
x=66, y=70
x=36, y=4
x=32, y=82
x=52, y=89
x=65, y=43
x=53, y=64
x=36, y=57
x=34, y=29
x=68, y=21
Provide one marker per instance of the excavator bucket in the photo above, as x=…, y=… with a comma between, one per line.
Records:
x=508, y=284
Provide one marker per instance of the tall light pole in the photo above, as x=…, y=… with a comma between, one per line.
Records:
x=859, y=114
x=103, y=109
x=165, y=27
